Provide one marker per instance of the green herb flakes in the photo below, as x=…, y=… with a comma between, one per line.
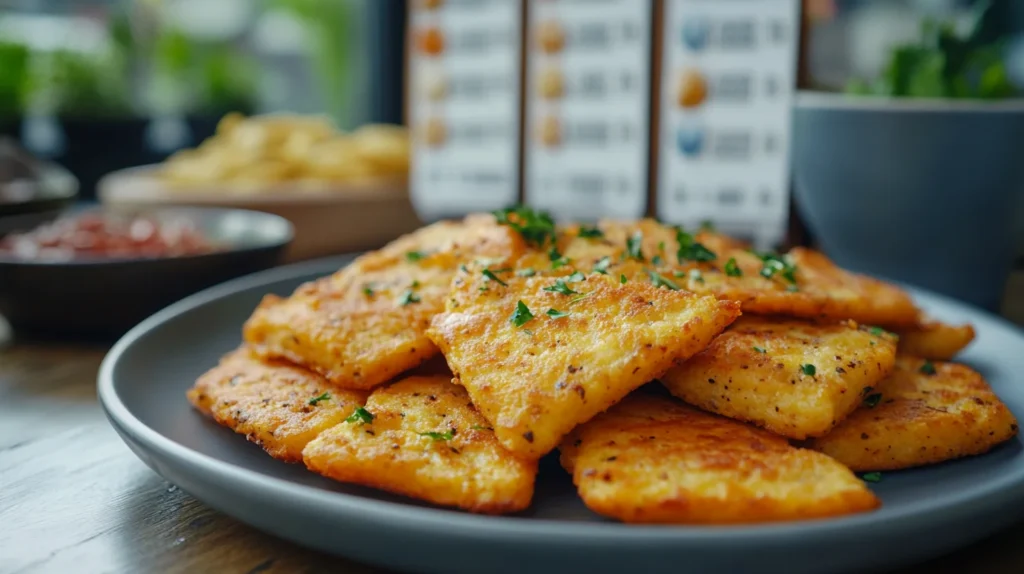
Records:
x=521, y=315
x=732, y=269
x=602, y=265
x=590, y=232
x=660, y=281
x=361, y=416
x=561, y=288
x=872, y=400
x=927, y=368
x=691, y=250
x=414, y=256
x=872, y=477
x=408, y=297
x=446, y=435
x=808, y=369
x=536, y=227
x=324, y=397
x=556, y=314
x=634, y=246
x=760, y=350
x=528, y=272
x=492, y=277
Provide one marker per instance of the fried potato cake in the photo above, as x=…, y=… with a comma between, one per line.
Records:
x=540, y=355
x=421, y=437
x=279, y=406
x=935, y=340
x=650, y=459
x=365, y=324
x=802, y=283
x=794, y=378
x=926, y=413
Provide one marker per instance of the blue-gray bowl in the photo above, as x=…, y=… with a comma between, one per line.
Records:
x=920, y=191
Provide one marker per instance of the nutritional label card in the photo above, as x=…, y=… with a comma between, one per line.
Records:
x=728, y=71
x=464, y=105
x=588, y=78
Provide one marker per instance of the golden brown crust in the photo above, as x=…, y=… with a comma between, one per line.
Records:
x=921, y=419
x=365, y=324
x=755, y=372
x=269, y=402
x=537, y=381
x=652, y=460
x=461, y=465
x=935, y=340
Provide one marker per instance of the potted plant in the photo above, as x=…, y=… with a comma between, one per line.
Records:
x=916, y=175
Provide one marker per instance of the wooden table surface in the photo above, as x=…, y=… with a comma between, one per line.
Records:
x=74, y=499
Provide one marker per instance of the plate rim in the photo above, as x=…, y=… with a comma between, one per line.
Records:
x=958, y=506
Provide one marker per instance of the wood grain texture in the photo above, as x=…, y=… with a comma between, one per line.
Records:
x=73, y=498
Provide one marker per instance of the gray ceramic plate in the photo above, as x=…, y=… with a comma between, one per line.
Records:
x=142, y=387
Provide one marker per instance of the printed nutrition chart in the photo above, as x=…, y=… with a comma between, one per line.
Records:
x=464, y=105
x=728, y=71
x=588, y=78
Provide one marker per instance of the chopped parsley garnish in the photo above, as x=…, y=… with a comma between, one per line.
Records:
x=368, y=290
x=602, y=265
x=324, y=397
x=575, y=277
x=361, y=416
x=696, y=275
x=521, y=315
x=634, y=246
x=732, y=269
x=871, y=401
x=579, y=297
x=561, y=287
x=528, y=272
x=690, y=250
x=679, y=274
x=492, y=277
x=414, y=284
x=536, y=227
x=927, y=368
x=481, y=427
x=872, y=476
x=463, y=268
x=446, y=435
x=760, y=350
x=707, y=225
x=408, y=297
x=484, y=289
x=657, y=260
x=808, y=369
x=622, y=278
x=556, y=314
x=661, y=247
x=773, y=264
x=660, y=281
x=876, y=331
x=414, y=256
x=590, y=232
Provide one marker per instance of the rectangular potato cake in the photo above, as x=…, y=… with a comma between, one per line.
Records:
x=279, y=406
x=365, y=324
x=935, y=340
x=540, y=355
x=651, y=459
x=794, y=378
x=925, y=413
x=421, y=437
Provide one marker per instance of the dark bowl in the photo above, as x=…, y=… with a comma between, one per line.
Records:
x=101, y=298
x=31, y=191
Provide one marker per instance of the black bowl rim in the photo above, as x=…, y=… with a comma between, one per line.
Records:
x=280, y=242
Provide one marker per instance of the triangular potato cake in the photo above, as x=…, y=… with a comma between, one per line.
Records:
x=421, y=437
x=365, y=324
x=794, y=378
x=924, y=413
x=279, y=406
x=650, y=459
x=540, y=355
x=802, y=283
x=934, y=339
